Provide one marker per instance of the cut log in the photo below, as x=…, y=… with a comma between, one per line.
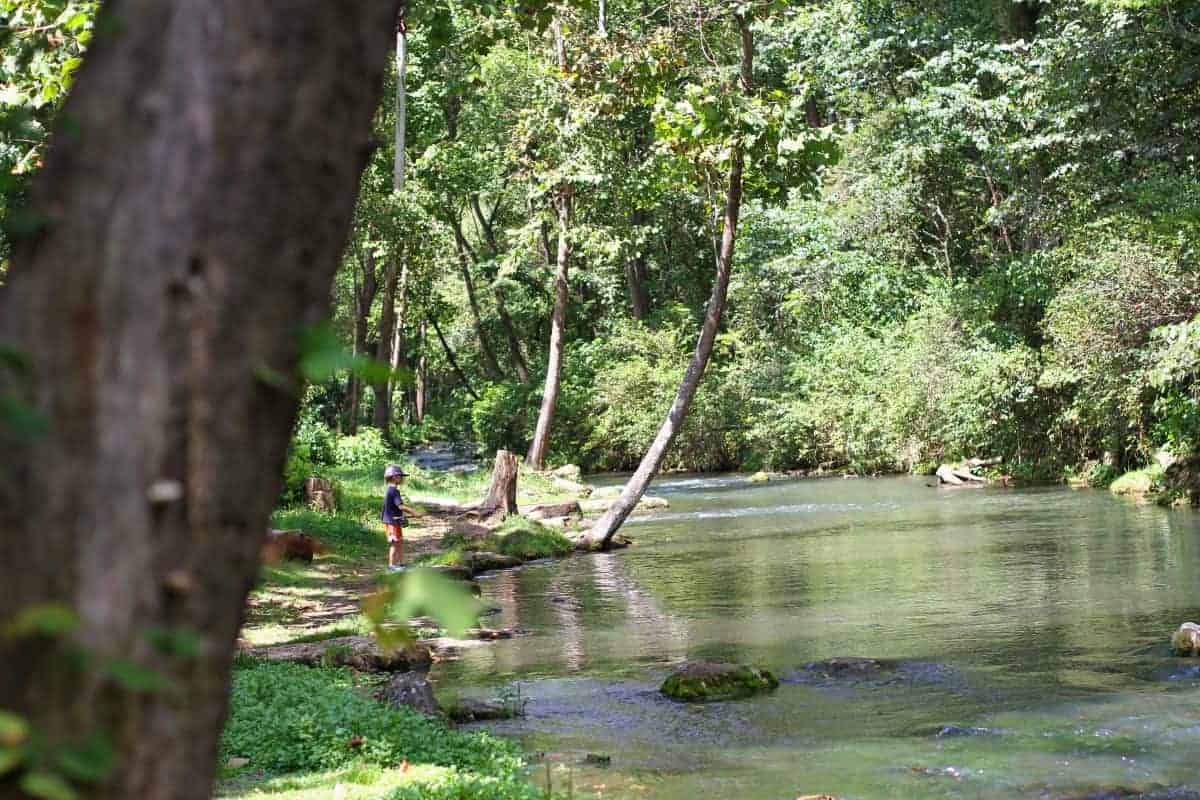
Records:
x=945, y=474
x=501, y=500
x=967, y=475
x=550, y=510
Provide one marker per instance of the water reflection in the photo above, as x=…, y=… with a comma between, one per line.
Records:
x=1048, y=606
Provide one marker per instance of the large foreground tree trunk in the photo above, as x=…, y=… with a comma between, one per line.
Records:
x=536, y=459
x=606, y=527
x=193, y=208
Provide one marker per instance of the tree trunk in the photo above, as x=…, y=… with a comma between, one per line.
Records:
x=541, y=436
x=462, y=376
x=520, y=365
x=381, y=414
x=491, y=365
x=398, y=163
x=635, y=274
x=606, y=527
x=502, y=494
x=421, y=388
x=364, y=296
x=204, y=185
x=398, y=335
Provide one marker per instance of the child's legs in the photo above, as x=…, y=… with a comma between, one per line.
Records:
x=395, y=545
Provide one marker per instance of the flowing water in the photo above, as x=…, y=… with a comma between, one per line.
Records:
x=1028, y=630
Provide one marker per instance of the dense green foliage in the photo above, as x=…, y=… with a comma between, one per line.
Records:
x=1003, y=262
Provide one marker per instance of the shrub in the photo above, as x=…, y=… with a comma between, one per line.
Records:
x=295, y=471
x=365, y=450
x=314, y=441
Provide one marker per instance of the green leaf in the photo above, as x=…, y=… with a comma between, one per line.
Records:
x=46, y=619
x=423, y=592
x=47, y=786
x=10, y=759
x=14, y=729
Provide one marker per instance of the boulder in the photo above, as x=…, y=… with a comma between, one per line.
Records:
x=293, y=545
x=482, y=561
x=698, y=681
x=546, y=511
x=760, y=477
x=357, y=652
x=478, y=711
x=410, y=690
x=318, y=493
x=571, y=487
x=457, y=571
x=570, y=472
x=1186, y=640
x=647, y=503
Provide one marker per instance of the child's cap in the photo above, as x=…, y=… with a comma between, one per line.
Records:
x=394, y=471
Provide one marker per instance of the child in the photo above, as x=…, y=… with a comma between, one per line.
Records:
x=393, y=517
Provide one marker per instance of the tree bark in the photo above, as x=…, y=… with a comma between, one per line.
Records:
x=398, y=162
x=606, y=527
x=381, y=413
x=491, y=365
x=420, y=390
x=364, y=296
x=501, y=498
x=204, y=186
x=536, y=459
x=462, y=376
x=520, y=365
x=398, y=345
x=636, y=273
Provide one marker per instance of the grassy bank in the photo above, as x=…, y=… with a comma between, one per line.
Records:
x=301, y=733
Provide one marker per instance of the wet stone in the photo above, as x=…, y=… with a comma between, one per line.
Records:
x=701, y=681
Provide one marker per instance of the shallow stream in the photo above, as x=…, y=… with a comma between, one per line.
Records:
x=1027, y=631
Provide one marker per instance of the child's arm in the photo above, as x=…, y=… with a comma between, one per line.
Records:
x=409, y=511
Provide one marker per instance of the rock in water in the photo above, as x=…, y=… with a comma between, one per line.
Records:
x=760, y=477
x=411, y=690
x=570, y=472
x=1186, y=641
x=357, y=652
x=704, y=680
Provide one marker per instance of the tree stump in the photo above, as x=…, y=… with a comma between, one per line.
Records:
x=319, y=494
x=501, y=498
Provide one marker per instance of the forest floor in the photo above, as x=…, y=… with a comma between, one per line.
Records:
x=298, y=602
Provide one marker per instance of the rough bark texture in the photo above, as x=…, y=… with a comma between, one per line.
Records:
x=364, y=295
x=502, y=494
x=541, y=435
x=381, y=414
x=606, y=527
x=194, y=206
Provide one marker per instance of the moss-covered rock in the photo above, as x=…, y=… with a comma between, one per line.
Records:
x=1186, y=640
x=760, y=477
x=1138, y=484
x=528, y=540
x=700, y=681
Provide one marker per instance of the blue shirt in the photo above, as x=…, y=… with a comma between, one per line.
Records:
x=392, y=515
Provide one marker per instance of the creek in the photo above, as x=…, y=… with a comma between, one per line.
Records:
x=1026, y=632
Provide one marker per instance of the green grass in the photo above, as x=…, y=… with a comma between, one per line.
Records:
x=304, y=730
x=527, y=540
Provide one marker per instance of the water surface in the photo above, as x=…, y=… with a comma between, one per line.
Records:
x=1028, y=629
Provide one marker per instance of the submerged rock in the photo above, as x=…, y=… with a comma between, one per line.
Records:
x=705, y=680
x=478, y=711
x=872, y=672
x=410, y=690
x=1186, y=640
